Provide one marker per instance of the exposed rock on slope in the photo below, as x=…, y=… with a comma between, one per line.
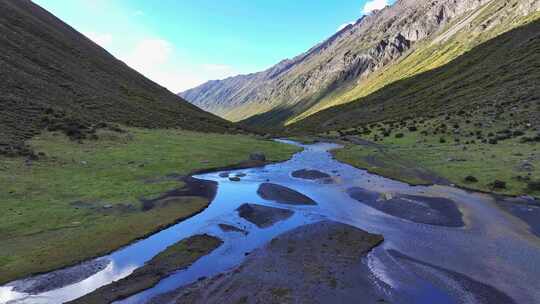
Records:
x=51, y=74
x=496, y=83
x=344, y=66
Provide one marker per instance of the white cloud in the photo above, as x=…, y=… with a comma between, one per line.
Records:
x=149, y=53
x=158, y=60
x=103, y=40
x=344, y=25
x=374, y=5
x=138, y=13
x=151, y=57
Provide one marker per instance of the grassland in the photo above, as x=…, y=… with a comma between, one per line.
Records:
x=417, y=158
x=79, y=200
x=475, y=117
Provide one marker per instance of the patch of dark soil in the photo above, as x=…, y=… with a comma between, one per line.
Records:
x=310, y=174
x=178, y=256
x=483, y=294
x=282, y=194
x=59, y=278
x=263, y=216
x=420, y=209
x=75, y=129
x=193, y=187
x=316, y=263
x=231, y=228
x=364, y=195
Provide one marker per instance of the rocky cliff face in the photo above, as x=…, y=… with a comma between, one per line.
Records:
x=310, y=81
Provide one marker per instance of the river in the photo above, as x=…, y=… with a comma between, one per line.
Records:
x=417, y=263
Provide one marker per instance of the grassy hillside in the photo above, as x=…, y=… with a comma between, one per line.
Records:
x=426, y=56
x=78, y=179
x=396, y=43
x=82, y=200
x=497, y=82
x=55, y=78
x=477, y=116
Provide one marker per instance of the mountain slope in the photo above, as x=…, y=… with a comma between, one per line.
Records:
x=359, y=59
x=53, y=76
x=496, y=84
x=474, y=122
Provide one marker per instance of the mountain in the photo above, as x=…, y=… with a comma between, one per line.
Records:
x=494, y=87
x=54, y=77
x=397, y=42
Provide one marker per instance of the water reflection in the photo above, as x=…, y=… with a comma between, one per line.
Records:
x=492, y=247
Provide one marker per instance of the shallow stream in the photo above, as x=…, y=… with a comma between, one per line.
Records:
x=493, y=253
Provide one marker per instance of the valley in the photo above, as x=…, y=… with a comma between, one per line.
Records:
x=411, y=265
x=392, y=44
x=397, y=161
x=83, y=200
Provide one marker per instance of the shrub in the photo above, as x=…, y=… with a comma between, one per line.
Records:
x=497, y=184
x=534, y=186
x=471, y=179
x=399, y=135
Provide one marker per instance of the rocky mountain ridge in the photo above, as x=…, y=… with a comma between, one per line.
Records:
x=325, y=74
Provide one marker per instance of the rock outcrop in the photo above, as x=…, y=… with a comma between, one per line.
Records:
x=315, y=79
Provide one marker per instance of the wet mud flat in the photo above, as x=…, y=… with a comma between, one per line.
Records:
x=263, y=216
x=178, y=256
x=315, y=263
x=310, y=174
x=415, y=208
x=231, y=228
x=525, y=208
x=57, y=279
x=467, y=290
x=284, y=195
x=192, y=188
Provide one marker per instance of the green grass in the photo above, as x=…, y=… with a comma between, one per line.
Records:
x=381, y=163
x=493, y=88
x=495, y=76
x=426, y=56
x=40, y=227
x=399, y=158
x=177, y=256
x=470, y=101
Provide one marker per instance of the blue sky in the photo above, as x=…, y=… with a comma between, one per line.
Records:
x=183, y=43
